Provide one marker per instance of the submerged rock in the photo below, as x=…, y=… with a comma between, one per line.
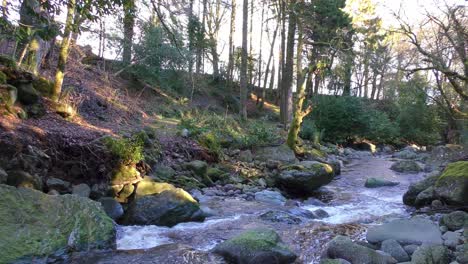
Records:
x=342, y=247
x=165, y=209
x=35, y=225
x=406, y=231
x=406, y=166
x=256, y=246
x=376, y=183
x=304, y=180
x=280, y=217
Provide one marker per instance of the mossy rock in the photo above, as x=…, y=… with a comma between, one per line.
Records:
x=216, y=174
x=8, y=94
x=256, y=246
x=125, y=174
x=43, y=86
x=149, y=187
x=34, y=225
x=26, y=93
x=452, y=185
x=25, y=180
x=65, y=110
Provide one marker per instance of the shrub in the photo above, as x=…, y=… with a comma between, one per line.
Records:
x=127, y=150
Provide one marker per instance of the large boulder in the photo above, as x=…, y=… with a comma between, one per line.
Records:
x=342, y=247
x=34, y=225
x=304, y=178
x=165, y=209
x=280, y=153
x=406, y=166
x=150, y=187
x=26, y=93
x=406, y=154
x=452, y=185
x=455, y=220
x=256, y=246
x=280, y=217
x=433, y=254
x=377, y=182
x=409, y=198
x=406, y=231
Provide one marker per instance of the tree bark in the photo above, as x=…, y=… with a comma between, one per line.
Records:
x=128, y=24
x=230, y=69
x=268, y=66
x=243, y=72
x=287, y=79
x=63, y=55
x=260, y=55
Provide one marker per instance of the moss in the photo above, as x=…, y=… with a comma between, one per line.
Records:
x=43, y=86
x=127, y=150
x=36, y=224
x=124, y=174
x=7, y=62
x=456, y=169
x=256, y=240
x=3, y=78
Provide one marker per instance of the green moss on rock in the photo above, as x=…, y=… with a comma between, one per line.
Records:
x=452, y=185
x=33, y=224
x=3, y=78
x=43, y=86
x=124, y=174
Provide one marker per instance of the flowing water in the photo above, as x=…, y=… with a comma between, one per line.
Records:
x=350, y=205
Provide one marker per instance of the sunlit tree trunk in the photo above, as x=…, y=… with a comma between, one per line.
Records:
x=63, y=55
x=282, y=20
x=243, y=71
x=5, y=9
x=270, y=58
x=287, y=76
x=260, y=55
x=250, y=43
x=128, y=24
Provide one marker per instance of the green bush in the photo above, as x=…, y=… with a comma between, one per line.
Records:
x=127, y=150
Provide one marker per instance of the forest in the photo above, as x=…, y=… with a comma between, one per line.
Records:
x=234, y=131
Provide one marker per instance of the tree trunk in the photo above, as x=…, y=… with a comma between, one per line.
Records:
x=287, y=79
x=232, y=30
x=63, y=55
x=374, y=85
x=243, y=71
x=128, y=24
x=5, y=9
x=200, y=50
x=299, y=114
x=260, y=55
x=348, y=72
x=268, y=66
x=282, y=15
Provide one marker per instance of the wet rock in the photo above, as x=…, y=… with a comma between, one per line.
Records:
x=334, y=261
x=410, y=249
x=23, y=179
x=376, y=182
x=409, y=198
x=170, y=253
x=461, y=253
x=436, y=204
x=304, y=180
x=165, y=209
x=270, y=197
x=434, y=254
x=452, y=186
x=406, y=231
x=280, y=153
x=256, y=246
x=59, y=185
x=35, y=225
x=112, y=208
x=342, y=247
x=299, y=212
x=452, y=239
x=53, y=192
x=280, y=217
x=406, y=166
x=82, y=190
x=164, y=172
x=246, y=156
x=395, y=250
x=320, y=213
x=313, y=201
x=455, y=220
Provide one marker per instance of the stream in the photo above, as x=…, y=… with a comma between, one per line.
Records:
x=351, y=208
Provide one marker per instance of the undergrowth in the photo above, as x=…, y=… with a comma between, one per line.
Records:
x=127, y=150
x=217, y=131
